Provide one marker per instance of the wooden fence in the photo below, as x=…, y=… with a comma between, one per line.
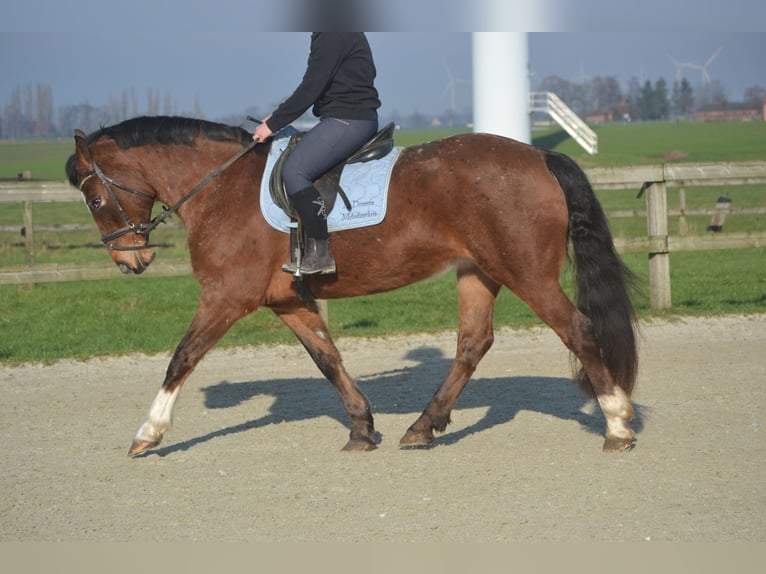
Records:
x=653, y=181
x=650, y=181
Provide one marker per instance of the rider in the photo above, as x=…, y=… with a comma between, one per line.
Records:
x=339, y=83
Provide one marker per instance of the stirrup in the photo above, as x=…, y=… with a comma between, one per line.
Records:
x=297, y=271
x=294, y=269
x=318, y=257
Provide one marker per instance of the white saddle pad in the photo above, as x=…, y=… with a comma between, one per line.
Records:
x=365, y=184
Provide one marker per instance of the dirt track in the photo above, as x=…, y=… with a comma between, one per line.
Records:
x=254, y=454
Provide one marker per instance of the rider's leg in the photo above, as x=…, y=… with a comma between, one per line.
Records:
x=321, y=148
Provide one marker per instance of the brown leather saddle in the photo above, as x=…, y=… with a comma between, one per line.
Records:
x=329, y=184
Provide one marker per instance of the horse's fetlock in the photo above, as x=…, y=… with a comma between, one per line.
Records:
x=440, y=422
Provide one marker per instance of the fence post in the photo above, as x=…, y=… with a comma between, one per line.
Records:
x=659, y=255
x=29, y=234
x=683, y=228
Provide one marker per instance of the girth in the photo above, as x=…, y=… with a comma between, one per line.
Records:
x=328, y=185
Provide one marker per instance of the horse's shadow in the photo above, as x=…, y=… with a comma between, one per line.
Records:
x=405, y=391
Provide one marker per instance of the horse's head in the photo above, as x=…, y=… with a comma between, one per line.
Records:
x=118, y=198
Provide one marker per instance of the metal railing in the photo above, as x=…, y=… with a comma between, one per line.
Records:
x=549, y=103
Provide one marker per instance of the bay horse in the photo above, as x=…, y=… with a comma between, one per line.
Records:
x=502, y=213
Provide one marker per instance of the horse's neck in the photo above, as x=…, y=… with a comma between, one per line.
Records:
x=178, y=182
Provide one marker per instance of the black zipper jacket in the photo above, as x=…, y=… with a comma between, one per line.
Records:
x=338, y=82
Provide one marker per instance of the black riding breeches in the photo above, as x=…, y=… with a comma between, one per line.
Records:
x=322, y=148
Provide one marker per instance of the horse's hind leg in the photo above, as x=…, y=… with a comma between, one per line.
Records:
x=476, y=303
x=576, y=332
x=311, y=330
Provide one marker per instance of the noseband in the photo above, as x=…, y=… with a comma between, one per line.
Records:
x=144, y=229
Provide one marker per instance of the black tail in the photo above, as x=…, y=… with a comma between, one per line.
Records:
x=602, y=279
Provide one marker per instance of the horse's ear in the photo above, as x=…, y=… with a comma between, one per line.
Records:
x=84, y=159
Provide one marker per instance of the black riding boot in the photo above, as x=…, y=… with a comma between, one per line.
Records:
x=317, y=257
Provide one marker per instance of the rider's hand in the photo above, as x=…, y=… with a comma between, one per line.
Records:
x=262, y=132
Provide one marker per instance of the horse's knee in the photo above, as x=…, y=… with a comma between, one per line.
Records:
x=472, y=349
x=486, y=343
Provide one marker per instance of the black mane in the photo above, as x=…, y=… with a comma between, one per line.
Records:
x=167, y=130
x=162, y=130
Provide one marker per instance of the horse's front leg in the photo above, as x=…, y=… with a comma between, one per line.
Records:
x=476, y=303
x=213, y=318
x=304, y=320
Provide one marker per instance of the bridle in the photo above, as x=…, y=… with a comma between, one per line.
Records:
x=130, y=227
x=144, y=229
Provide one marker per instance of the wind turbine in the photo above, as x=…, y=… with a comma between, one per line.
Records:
x=452, y=81
x=704, y=74
x=582, y=78
x=680, y=66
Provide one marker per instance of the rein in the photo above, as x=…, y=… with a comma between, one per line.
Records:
x=145, y=229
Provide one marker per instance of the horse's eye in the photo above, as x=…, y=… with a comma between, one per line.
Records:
x=95, y=203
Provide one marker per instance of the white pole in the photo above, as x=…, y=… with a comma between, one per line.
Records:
x=501, y=84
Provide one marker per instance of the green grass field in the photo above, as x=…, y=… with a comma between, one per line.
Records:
x=51, y=321
x=653, y=143
x=45, y=160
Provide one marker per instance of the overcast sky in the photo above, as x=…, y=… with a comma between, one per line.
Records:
x=224, y=54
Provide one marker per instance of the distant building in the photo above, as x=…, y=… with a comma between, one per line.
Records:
x=599, y=117
x=737, y=111
x=619, y=111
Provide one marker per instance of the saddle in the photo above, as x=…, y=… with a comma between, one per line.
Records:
x=328, y=185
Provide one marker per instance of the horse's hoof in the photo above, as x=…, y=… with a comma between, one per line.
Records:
x=412, y=438
x=141, y=446
x=359, y=446
x=617, y=444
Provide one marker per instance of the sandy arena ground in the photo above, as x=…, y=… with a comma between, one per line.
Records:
x=255, y=451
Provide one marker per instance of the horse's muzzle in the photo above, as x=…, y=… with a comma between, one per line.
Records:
x=141, y=260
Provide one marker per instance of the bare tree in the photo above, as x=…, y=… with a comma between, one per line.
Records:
x=42, y=121
x=711, y=94
x=28, y=103
x=13, y=116
x=168, y=107
x=124, y=103
x=754, y=95
x=606, y=94
x=198, y=113
x=152, y=103
x=133, y=102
